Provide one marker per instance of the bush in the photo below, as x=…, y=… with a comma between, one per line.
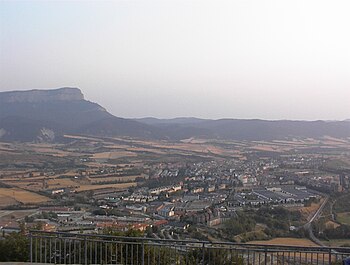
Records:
x=14, y=247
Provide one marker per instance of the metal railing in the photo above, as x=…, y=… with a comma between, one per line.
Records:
x=67, y=248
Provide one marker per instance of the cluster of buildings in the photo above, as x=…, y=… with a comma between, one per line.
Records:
x=285, y=194
x=203, y=193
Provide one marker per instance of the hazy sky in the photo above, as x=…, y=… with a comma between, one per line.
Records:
x=283, y=59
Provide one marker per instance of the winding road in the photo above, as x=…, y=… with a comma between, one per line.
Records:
x=308, y=226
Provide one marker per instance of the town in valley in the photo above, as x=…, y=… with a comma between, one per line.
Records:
x=230, y=191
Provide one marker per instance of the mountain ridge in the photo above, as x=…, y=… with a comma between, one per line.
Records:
x=24, y=115
x=46, y=115
x=41, y=95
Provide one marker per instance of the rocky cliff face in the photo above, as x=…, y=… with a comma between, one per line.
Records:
x=36, y=96
x=46, y=115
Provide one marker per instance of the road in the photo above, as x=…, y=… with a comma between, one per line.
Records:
x=318, y=212
x=308, y=226
x=5, y=213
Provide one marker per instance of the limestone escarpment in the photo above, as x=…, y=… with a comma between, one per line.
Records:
x=35, y=96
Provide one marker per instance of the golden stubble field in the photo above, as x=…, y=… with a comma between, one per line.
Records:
x=312, y=258
x=287, y=241
x=77, y=185
x=94, y=180
x=105, y=186
x=132, y=148
x=6, y=201
x=11, y=195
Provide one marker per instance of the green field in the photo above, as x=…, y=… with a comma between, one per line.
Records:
x=344, y=218
x=337, y=242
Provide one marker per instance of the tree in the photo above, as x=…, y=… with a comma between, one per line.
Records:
x=14, y=247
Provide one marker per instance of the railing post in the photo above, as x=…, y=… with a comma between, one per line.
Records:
x=179, y=248
x=203, y=253
x=31, y=248
x=55, y=252
x=143, y=252
x=85, y=251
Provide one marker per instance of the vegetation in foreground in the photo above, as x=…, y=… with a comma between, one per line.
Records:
x=262, y=224
x=14, y=247
x=334, y=225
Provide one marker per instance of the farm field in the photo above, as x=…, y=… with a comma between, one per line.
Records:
x=287, y=241
x=27, y=185
x=6, y=201
x=90, y=163
x=23, y=196
x=9, y=215
x=113, y=155
x=270, y=148
x=116, y=179
x=96, y=187
x=61, y=183
x=337, y=243
x=344, y=218
x=331, y=225
x=298, y=242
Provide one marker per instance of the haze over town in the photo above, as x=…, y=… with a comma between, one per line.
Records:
x=236, y=59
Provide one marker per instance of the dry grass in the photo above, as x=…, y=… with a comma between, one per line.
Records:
x=337, y=242
x=270, y=148
x=113, y=155
x=58, y=183
x=96, y=187
x=27, y=185
x=331, y=225
x=308, y=212
x=23, y=196
x=344, y=218
x=121, y=178
x=6, y=201
x=77, y=137
x=161, y=146
x=287, y=241
x=52, y=151
x=61, y=183
x=298, y=242
x=10, y=215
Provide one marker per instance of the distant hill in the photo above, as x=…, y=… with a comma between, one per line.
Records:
x=178, y=121
x=239, y=129
x=46, y=115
